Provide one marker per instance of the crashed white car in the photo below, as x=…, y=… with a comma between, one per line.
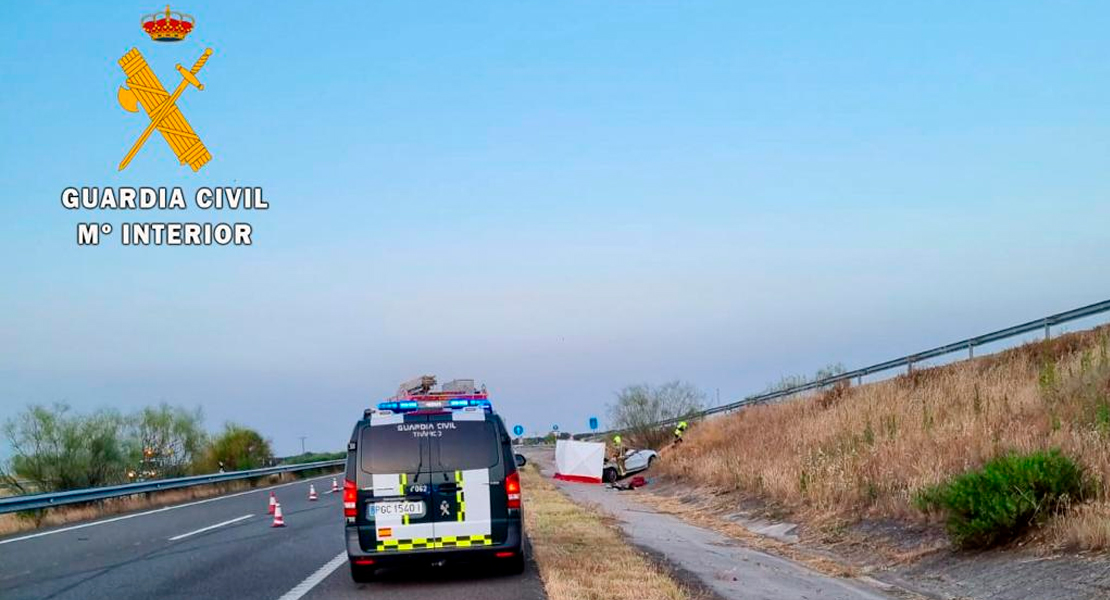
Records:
x=634, y=462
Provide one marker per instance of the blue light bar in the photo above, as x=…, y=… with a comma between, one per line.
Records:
x=410, y=405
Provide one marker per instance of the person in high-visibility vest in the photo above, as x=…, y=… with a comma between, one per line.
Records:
x=679, y=430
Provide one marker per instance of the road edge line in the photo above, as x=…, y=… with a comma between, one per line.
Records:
x=314, y=580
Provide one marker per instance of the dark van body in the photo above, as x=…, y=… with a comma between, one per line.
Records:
x=431, y=487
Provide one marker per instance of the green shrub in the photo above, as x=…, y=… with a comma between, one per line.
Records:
x=996, y=503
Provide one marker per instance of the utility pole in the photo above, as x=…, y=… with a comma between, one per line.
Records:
x=302, y=437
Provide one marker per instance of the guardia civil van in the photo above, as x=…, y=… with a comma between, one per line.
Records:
x=431, y=478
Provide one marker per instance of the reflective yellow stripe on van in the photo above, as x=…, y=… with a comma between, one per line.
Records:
x=404, y=482
x=463, y=541
x=459, y=500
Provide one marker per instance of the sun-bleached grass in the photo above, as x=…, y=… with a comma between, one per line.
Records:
x=864, y=451
x=1084, y=527
x=583, y=557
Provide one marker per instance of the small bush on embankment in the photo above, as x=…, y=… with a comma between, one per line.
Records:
x=1000, y=501
x=866, y=451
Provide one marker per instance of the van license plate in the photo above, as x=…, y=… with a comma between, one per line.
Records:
x=395, y=509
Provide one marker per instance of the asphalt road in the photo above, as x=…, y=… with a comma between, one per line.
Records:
x=225, y=548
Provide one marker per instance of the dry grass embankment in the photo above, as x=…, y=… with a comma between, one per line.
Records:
x=581, y=556
x=855, y=452
x=15, y=522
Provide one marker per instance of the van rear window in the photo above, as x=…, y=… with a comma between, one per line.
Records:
x=392, y=449
x=468, y=445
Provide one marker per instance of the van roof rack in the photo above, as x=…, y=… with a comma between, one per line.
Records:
x=419, y=394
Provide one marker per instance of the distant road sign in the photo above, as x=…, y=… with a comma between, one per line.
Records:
x=518, y=431
x=593, y=423
x=554, y=428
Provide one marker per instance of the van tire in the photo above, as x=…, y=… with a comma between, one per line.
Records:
x=609, y=475
x=362, y=573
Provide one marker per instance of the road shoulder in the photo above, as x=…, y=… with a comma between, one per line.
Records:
x=723, y=564
x=581, y=553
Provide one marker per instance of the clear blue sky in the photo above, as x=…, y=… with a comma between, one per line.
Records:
x=557, y=198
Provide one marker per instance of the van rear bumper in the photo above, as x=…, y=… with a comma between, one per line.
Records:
x=513, y=543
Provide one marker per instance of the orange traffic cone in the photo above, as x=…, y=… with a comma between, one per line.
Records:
x=334, y=485
x=273, y=503
x=279, y=521
x=311, y=492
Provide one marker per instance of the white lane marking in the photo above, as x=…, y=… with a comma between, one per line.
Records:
x=313, y=580
x=156, y=510
x=210, y=527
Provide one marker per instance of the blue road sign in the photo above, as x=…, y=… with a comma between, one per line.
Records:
x=554, y=428
x=518, y=431
x=593, y=423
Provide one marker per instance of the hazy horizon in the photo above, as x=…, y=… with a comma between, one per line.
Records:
x=555, y=200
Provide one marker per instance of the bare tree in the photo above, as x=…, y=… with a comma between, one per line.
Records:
x=639, y=407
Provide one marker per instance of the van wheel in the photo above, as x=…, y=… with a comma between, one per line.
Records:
x=609, y=475
x=362, y=573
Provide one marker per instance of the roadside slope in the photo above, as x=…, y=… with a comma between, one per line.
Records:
x=852, y=453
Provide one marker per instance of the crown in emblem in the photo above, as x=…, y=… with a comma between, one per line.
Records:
x=167, y=26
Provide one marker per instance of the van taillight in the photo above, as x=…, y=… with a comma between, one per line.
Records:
x=512, y=489
x=349, y=494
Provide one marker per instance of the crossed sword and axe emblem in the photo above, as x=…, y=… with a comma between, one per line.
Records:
x=143, y=87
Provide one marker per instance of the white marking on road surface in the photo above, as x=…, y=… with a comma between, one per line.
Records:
x=210, y=527
x=157, y=510
x=313, y=580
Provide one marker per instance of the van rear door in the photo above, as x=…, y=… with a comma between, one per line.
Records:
x=394, y=496
x=467, y=476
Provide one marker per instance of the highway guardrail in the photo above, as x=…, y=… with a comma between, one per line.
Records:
x=47, y=500
x=907, y=361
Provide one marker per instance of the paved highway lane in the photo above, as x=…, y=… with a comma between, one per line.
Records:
x=135, y=557
x=219, y=548
x=455, y=583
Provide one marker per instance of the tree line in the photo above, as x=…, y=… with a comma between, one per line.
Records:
x=54, y=448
